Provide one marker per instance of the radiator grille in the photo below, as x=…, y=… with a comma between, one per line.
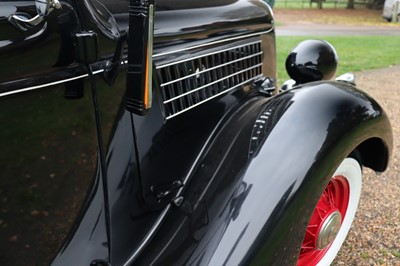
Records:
x=188, y=83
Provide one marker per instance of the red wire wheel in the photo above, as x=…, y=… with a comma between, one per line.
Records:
x=333, y=216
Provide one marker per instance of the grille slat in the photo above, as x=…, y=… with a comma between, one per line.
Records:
x=188, y=83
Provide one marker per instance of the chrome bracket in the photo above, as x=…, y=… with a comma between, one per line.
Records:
x=23, y=21
x=164, y=190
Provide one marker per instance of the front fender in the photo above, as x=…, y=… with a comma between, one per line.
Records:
x=255, y=187
x=314, y=128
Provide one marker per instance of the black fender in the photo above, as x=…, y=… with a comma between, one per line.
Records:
x=253, y=191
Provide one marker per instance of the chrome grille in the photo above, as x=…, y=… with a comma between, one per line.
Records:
x=188, y=83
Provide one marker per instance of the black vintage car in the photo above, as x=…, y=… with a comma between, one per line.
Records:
x=154, y=133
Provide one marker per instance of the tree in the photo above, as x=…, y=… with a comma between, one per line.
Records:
x=350, y=4
x=376, y=4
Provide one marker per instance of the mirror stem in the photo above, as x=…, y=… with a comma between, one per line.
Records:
x=111, y=68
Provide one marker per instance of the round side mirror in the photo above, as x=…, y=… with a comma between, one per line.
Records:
x=312, y=60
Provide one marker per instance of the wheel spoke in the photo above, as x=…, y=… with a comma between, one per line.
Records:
x=326, y=221
x=331, y=195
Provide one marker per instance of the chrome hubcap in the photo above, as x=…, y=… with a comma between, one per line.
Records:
x=329, y=230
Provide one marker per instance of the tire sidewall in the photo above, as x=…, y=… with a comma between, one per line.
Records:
x=351, y=170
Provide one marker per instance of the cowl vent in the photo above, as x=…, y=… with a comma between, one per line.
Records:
x=190, y=82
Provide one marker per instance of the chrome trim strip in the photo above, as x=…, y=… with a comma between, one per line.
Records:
x=148, y=236
x=209, y=69
x=48, y=84
x=149, y=74
x=124, y=62
x=204, y=55
x=216, y=42
x=212, y=97
x=212, y=83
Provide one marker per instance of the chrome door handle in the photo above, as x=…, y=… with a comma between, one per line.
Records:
x=43, y=7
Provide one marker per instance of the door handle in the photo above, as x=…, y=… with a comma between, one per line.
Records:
x=24, y=22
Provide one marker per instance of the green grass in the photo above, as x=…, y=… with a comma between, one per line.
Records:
x=356, y=53
x=396, y=253
x=365, y=255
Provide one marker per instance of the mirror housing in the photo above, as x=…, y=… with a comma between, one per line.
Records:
x=140, y=56
x=312, y=60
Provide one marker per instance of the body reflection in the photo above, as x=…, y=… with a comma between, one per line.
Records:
x=48, y=160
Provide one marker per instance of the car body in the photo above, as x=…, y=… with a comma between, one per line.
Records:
x=216, y=168
x=389, y=9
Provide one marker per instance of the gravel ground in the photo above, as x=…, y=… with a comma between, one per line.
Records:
x=374, y=238
x=322, y=22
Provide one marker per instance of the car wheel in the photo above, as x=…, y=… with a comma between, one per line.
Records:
x=333, y=215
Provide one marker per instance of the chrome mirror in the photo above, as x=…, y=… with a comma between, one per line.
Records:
x=43, y=7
